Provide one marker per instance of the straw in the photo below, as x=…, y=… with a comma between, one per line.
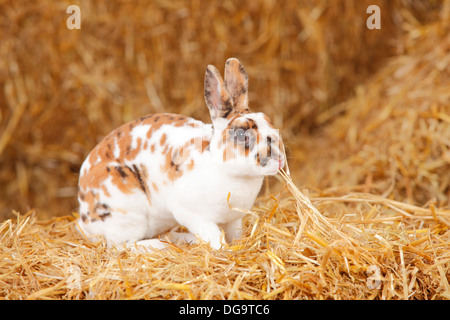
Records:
x=361, y=212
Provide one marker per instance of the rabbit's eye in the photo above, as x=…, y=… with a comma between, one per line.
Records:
x=241, y=137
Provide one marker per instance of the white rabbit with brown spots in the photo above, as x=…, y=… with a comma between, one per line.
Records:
x=164, y=170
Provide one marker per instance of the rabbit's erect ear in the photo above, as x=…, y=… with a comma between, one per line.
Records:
x=216, y=96
x=236, y=82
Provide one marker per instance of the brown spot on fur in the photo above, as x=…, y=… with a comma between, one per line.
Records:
x=144, y=172
x=236, y=114
x=190, y=164
x=165, y=118
x=163, y=139
x=93, y=214
x=105, y=191
x=125, y=179
x=171, y=168
x=242, y=123
x=205, y=145
x=177, y=160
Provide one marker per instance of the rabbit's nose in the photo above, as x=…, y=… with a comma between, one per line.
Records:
x=280, y=163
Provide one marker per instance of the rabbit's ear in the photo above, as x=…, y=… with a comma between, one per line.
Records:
x=216, y=96
x=236, y=82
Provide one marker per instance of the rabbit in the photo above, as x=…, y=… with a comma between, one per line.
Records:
x=166, y=170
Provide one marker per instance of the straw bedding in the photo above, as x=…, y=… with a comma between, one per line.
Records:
x=363, y=212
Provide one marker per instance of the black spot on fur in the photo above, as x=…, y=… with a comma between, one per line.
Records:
x=242, y=89
x=176, y=166
x=122, y=173
x=228, y=109
x=102, y=210
x=269, y=146
x=104, y=215
x=138, y=176
x=145, y=117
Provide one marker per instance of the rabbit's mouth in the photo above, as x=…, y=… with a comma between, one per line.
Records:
x=271, y=165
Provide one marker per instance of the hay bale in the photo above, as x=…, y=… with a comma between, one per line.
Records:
x=373, y=248
x=392, y=137
x=63, y=90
